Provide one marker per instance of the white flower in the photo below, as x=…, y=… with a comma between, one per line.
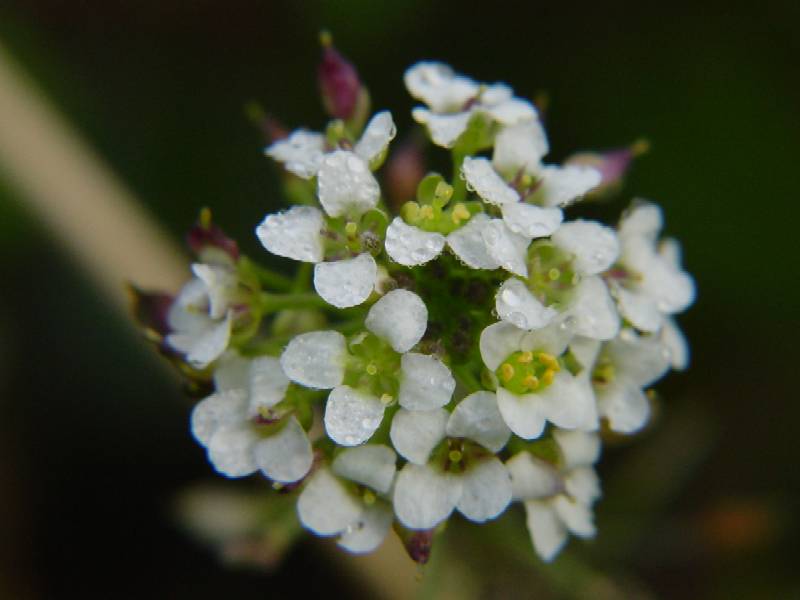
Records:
x=320, y=360
x=650, y=283
x=200, y=318
x=359, y=514
x=453, y=99
x=533, y=387
x=460, y=475
x=558, y=500
x=626, y=365
x=240, y=427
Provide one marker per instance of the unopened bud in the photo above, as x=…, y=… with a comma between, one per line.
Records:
x=612, y=164
x=205, y=238
x=338, y=81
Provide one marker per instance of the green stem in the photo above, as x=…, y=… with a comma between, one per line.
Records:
x=271, y=279
x=459, y=185
x=271, y=303
x=465, y=376
x=302, y=278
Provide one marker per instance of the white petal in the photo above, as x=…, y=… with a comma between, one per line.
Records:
x=203, y=347
x=512, y=111
x=594, y=246
x=230, y=450
x=570, y=403
x=415, y=433
x=345, y=185
x=227, y=407
x=642, y=359
x=644, y=219
x=301, y=153
x=530, y=220
x=593, y=310
x=348, y=282
x=443, y=129
x=477, y=417
x=285, y=456
x=673, y=289
x=532, y=478
x=552, y=339
x=438, y=86
x=517, y=305
x=576, y=516
x=670, y=250
x=369, y=530
x=376, y=137
x=578, y=448
x=520, y=148
x=563, y=185
x=325, y=507
x=294, y=233
x=485, y=490
x=400, y=317
x=639, y=308
x=220, y=282
x=624, y=404
x=672, y=337
x=424, y=497
x=583, y=485
x=232, y=372
x=495, y=93
x=352, y=416
x=468, y=245
x=509, y=249
x=482, y=178
x=524, y=415
x=267, y=382
x=372, y=465
x=426, y=383
x=411, y=246
x=315, y=359
x=585, y=350
x=548, y=533
x=498, y=341
x=189, y=311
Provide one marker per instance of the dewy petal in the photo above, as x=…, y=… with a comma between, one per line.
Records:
x=482, y=178
x=548, y=532
x=509, y=249
x=477, y=417
x=561, y=186
x=346, y=283
x=516, y=305
x=485, y=490
x=411, y=246
x=468, y=245
x=593, y=310
x=641, y=358
x=569, y=402
x=267, y=382
x=624, y=405
x=230, y=450
x=369, y=530
x=400, y=317
x=594, y=246
x=520, y=147
x=438, y=86
x=285, y=456
x=352, y=416
x=345, y=185
x=578, y=448
x=583, y=485
x=424, y=497
x=443, y=129
x=301, y=153
x=640, y=309
x=425, y=382
x=530, y=220
x=524, y=415
x=372, y=465
x=315, y=359
x=219, y=281
x=672, y=288
x=204, y=347
x=415, y=433
x=222, y=408
x=532, y=478
x=553, y=339
x=672, y=337
x=188, y=312
x=325, y=507
x=376, y=137
x=644, y=219
x=232, y=372
x=498, y=341
x=294, y=233
x=585, y=350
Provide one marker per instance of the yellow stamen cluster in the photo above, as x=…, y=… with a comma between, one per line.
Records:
x=459, y=213
x=525, y=372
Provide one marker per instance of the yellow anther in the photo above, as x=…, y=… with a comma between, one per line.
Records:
x=506, y=372
x=531, y=382
x=460, y=213
x=369, y=497
x=526, y=180
x=549, y=361
x=548, y=376
x=455, y=456
x=426, y=212
x=372, y=369
x=553, y=274
x=205, y=218
x=525, y=358
x=387, y=399
x=351, y=228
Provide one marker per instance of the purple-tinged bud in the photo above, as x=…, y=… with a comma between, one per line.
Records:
x=204, y=237
x=612, y=164
x=418, y=544
x=338, y=81
x=403, y=172
x=150, y=310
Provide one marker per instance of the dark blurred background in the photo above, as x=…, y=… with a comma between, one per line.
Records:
x=94, y=443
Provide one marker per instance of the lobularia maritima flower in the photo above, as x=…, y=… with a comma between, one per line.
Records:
x=463, y=350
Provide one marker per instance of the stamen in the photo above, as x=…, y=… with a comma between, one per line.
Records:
x=506, y=372
x=386, y=399
x=460, y=213
x=455, y=456
x=426, y=212
x=553, y=274
x=369, y=497
x=548, y=376
x=351, y=228
x=531, y=381
x=525, y=358
x=372, y=369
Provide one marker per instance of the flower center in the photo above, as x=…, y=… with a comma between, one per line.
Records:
x=551, y=276
x=526, y=372
x=373, y=367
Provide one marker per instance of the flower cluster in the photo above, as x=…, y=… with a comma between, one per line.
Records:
x=465, y=350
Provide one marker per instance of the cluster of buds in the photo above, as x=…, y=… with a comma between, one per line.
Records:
x=460, y=351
